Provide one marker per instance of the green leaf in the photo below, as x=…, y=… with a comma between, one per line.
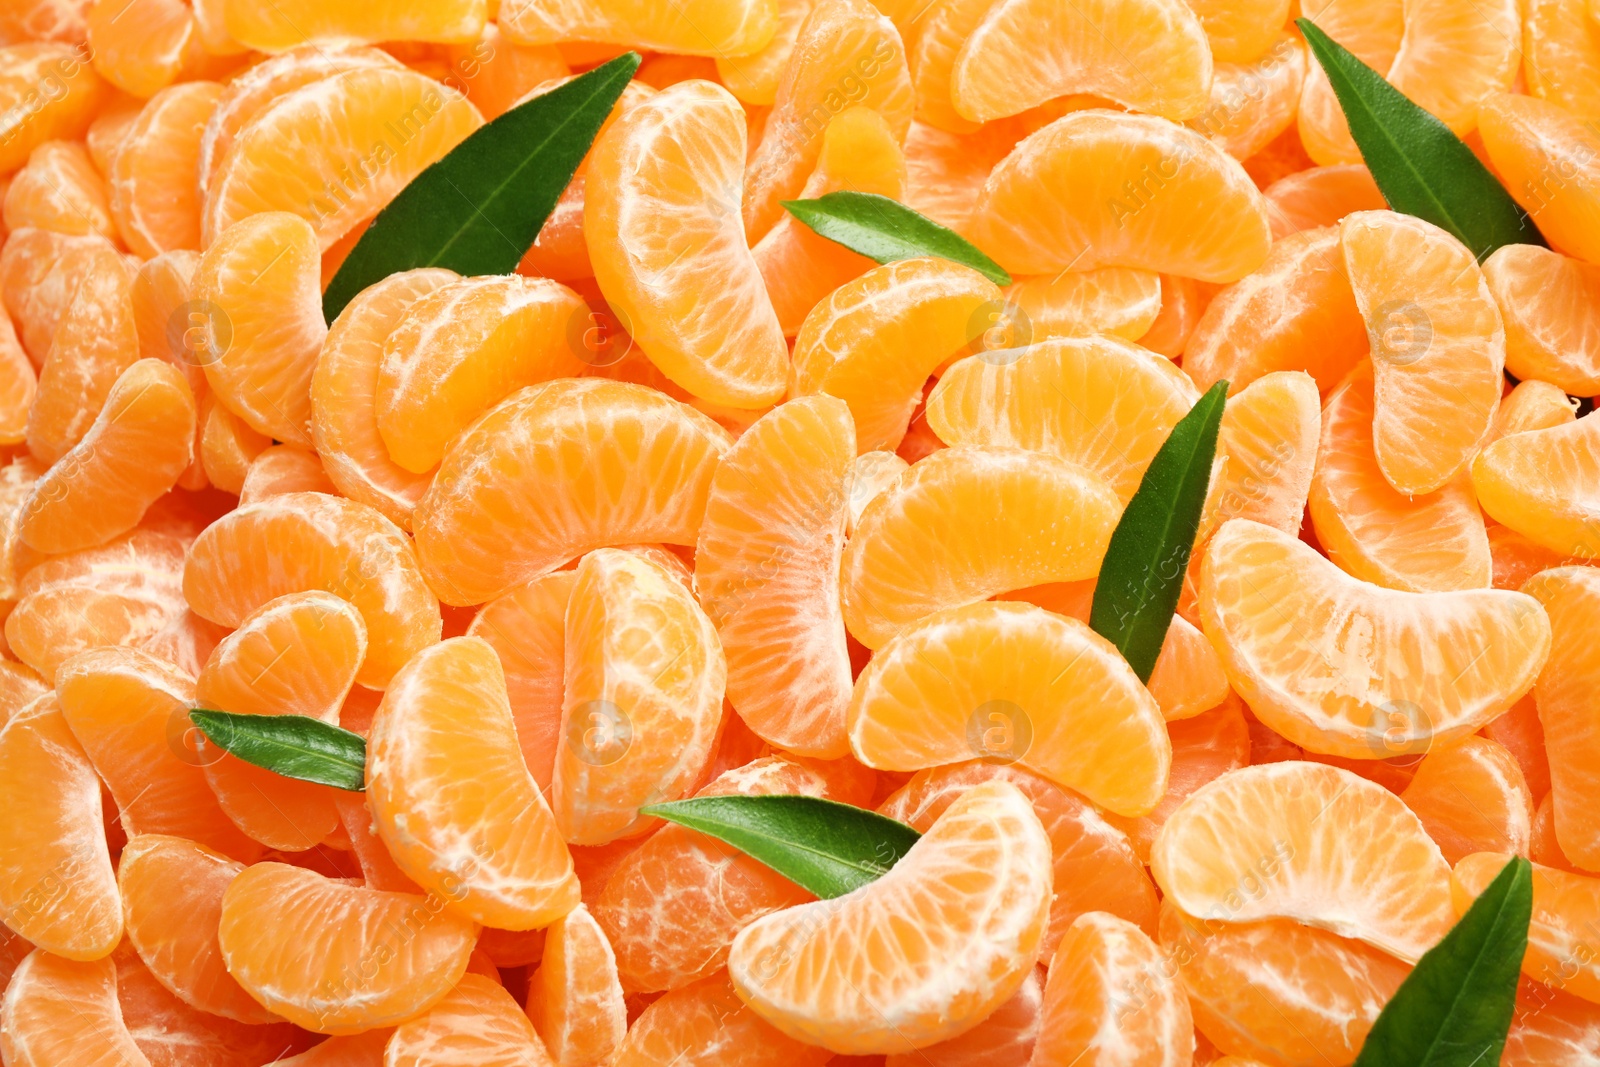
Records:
x=1454, y=1009
x=294, y=746
x=820, y=845
x=1141, y=577
x=886, y=230
x=478, y=210
x=1421, y=167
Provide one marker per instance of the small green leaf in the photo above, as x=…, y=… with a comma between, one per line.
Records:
x=1454, y=1009
x=820, y=845
x=479, y=209
x=294, y=746
x=1141, y=577
x=1421, y=167
x=886, y=230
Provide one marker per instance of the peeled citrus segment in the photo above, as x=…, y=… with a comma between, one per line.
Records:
x=1099, y=402
x=40, y=273
x=60, y=190
x=1418, y=543
x=1101, y=960
x=387, y=125
x=1279, y=991
x=1548, y=303
x=154, y=195
x=143, y=46
x=61, y=847
x=1371, y=29
x=754, y=77
x=1454, y=56
x=1320, y=196
x=1115, y=301
x=1252, y=103
x=691, y=292
x=1564, y=905
x=767, y=571
x=452, y=799
x=1550, y=1028
x=981, y=874
x=1532, y=405
x=133, y=453
x=1147, y=55
x=1268, y=440
x=19, y=384
x=643, y=697
x=933, y=43
x=1321, y=846
x=729, y=28
x=64, y=114
x=875, y=340
x=356, y=1050
x=1060, y=201
x=1012, y=681
x=706, y=1024
x=345, y=548
x=286, y=24
x=1347, y=668
x=227, y=445
x=172, y=894
x=574, y=997
x=344, y=392
x=1188, y=678
x=476, y=1022
x=945, y=171
x=461, y=349
x=930, y=541
x=283, y=469
x=1006, y=1036
x=1550, y=162
x=1545, y=484
x=1239, y=32
x=19, y=687
x=60, y=1011
x=1471, y=797
x=556, y=470
x=302, y=945
x=1560, y=44
x=1571, y=597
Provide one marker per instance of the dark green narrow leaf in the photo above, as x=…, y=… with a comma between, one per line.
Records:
x=1454, y=1009
x=1142, y=574
x=820, y=845
x=291, y=745
x=1421, y=167
x=886, y=230
x=478, y=210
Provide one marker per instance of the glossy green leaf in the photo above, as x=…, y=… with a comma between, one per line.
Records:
x=822, y=846
x=294, y=746
x=1421, y=167
x=886, y=230
x=479, y=209
x=1141, y=577
x=1454, y=1009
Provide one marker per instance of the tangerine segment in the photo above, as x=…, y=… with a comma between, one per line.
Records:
x=341, y=547
x=1253, y=103
x=1471, y=797
x=706, y=1024
x=1313, y=843
x=1006, y=1037
x=1564, y=907
x=284, y=469
x=725, y=28
x=36, y=117
x=1419, y=543
x=851, y=975
x=1550, y=162
x=477, y=1022
x=1239, y=32
x=1028, y=52
x=1100, y=962
x=154, y=195
x=1278, y=991
x=1268, y=439
x=1188, y=678
x=1560, y=44
x=1551, y=1029
x=133, y=453
x=1320, y=196
x=767, y=571
x=286, y=24
x=19, y=384
x=44, y=20
x=357, y=1050
x=1116, y=301
x=304, y=947
x=1532, y=405
x=934, y=39
x=1343, y=667
x=385, y=125
x=172, y=895
x=40, y=273
x=1571, y=596
x=1101, y=403
x=1371, y=29
x=556, y=470
x=1012, y=681
x=1453, y=56
x=143, y=46
x=461, y=349
x=59, y=190
x=57, y=888
x=60, y=1011
x=452, y=799
x=643, y=697
x=1061, y=201
x=1545, y=484
x=1548, y=303
x=574, y=997
x=690, y=291
x=929, y=542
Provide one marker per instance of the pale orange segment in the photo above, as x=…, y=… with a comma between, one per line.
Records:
x=172, y=895
x=1188, y=678
x=1268, y=445
x=1471, y=797
x=1116, y=301
x=452, y=799
x=302, y=946
x=1324, y=847
x=1571, y=596
x=60, y=190
x=1564, y=905
x=59, y=1011
x=227, y=445
x=463, y=348
x=1372, y=30
x=1253, y=103
x=497, y=74
x=19, y=384
x=288, y=23
x=1551, y=1029
x=930, y=541
x=1561, y=43
x=1059, y=202
x=143, y=46
x=1453, y=56
x=574, y=997
x=19, y=687
x=1100, y=962
x=1548, y=303
x=344, y=548
x=44, y=20
x=945, y=171
x=1550, y=162
x=40, y=273
x=109, y=129
x=284, y=469
x=700, y=28
x=642, y=699
x=1531, y=405
x=61, y=847
x=754, y=78
x=1521, y=733
x=706, y=1024
x=1320, y=196
x=1007, y=1036
x=556, y=470
x=162, y=290
x=767, y=572
x=346, y=116
x=1240, y=30
x=1422, y=543
x=983, y=870
x=1344, y=667
x=1545, y=484
x=691, y=292
x=63, y=115
x=154, y=195
x=477, y=1022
